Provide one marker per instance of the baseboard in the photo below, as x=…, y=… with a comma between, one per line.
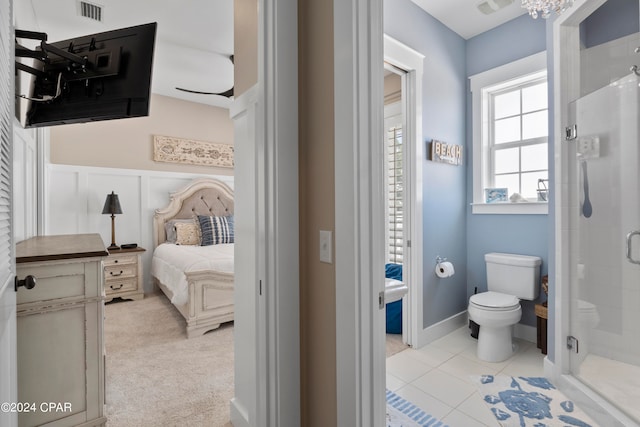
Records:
x=598, y=408
x=550, y=369
x=442, y=328
x=525, y=332
x=239, y=416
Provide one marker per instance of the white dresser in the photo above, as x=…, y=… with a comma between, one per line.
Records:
x=60, y=330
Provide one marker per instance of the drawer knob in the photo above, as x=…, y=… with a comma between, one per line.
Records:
x=119, y=287
x=116, y=274
x=28, y=282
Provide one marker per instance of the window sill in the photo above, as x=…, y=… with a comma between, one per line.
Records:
x=524, y=208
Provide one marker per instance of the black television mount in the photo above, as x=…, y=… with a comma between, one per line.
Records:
x=77, y=63
x=66, y=63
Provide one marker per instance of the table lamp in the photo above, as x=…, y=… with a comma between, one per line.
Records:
x=112, y=207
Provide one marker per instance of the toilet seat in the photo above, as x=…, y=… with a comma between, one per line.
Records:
x=494, y=301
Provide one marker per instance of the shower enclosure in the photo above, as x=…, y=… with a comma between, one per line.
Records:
x=595, y=358
x=604, y=187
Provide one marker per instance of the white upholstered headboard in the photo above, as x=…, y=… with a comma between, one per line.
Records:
x=203, y=196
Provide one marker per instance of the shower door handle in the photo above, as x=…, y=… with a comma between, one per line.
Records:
x=629, y=237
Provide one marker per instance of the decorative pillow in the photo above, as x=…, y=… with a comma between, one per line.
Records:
x=170, y=228
x=216, y=229
x=187, y=233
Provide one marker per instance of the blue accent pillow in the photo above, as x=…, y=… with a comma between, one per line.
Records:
x=393, y=271
x=216, y=230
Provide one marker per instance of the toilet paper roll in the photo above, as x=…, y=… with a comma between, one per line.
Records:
x=444, y=269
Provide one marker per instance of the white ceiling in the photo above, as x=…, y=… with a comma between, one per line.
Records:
x=193, y=42
x=195, y=37
x=463, y=17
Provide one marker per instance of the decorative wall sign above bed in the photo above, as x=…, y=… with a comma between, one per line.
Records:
x=189, y=151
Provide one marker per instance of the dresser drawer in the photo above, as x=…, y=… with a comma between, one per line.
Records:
x=56, y=281
x=123, y=274
x=120, y=260
x=120, y=285
x=120, y=271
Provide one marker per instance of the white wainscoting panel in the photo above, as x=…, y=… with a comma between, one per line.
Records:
x=76, y=195
x=25, y=175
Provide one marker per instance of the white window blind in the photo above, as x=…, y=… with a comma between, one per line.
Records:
x=395, y=194
x=6, y=134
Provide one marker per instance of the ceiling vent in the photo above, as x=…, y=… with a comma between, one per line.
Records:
x=93, y=11
x=489, y=6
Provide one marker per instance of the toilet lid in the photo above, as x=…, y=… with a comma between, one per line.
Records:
x=495, y=300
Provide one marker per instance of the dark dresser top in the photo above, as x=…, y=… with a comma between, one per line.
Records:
x=65, y=246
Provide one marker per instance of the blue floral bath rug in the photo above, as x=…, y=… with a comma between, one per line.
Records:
x=529, y=402
x=402, y=413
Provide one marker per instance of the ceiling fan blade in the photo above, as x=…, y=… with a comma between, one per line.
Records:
x=228, y=93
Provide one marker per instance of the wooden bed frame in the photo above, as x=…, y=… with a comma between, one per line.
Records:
x=210, y=301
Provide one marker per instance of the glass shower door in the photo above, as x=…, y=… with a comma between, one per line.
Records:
x=605, y=243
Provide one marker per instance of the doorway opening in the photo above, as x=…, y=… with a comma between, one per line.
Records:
x=396, y=199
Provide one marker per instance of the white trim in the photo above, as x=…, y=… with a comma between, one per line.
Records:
x=98, y=170
x=442, y=328
x=566, y=51
x=278, y=222
x=524, y=208
x=601, y=410
x=42, y=186
x=243, y=102
x=510, y=73
x=238, y=414
x=392, y=110
x=513, y=70
x=412, y=63
x=359, y=217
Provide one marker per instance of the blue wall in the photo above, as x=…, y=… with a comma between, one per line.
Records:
x=444, y=186
x=520, y=234
x=595, y=29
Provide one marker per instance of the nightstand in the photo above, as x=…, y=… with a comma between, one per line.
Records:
x=123, y=274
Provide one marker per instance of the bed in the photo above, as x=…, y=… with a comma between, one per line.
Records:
x=198, y=280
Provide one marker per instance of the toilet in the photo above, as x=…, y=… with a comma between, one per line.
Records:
x=588, y=319
x=510, y=278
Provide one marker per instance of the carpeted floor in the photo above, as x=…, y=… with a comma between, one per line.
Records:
x=394, y=344
x=156, y=377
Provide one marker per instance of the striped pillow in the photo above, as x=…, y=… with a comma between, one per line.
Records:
x=215, y=230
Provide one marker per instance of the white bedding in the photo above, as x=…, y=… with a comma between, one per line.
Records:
x=170, y=262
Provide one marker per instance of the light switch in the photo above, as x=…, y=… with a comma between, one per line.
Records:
x=326, y=246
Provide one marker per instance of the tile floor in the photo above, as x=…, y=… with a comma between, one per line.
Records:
x=436, y=377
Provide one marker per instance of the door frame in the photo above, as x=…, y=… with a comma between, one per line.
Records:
x=359, y=216
x=411, y=62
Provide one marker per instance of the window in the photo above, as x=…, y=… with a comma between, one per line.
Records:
x=510, y=135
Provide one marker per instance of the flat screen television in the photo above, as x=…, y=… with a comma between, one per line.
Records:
x=113, y=82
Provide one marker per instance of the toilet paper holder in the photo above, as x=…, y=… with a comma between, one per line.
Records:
x=439, y=259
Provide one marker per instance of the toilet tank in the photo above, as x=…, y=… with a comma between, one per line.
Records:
x=512, y=274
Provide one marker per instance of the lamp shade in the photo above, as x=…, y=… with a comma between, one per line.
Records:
x=112, y=204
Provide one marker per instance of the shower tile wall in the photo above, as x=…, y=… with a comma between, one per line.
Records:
x=608, y=62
